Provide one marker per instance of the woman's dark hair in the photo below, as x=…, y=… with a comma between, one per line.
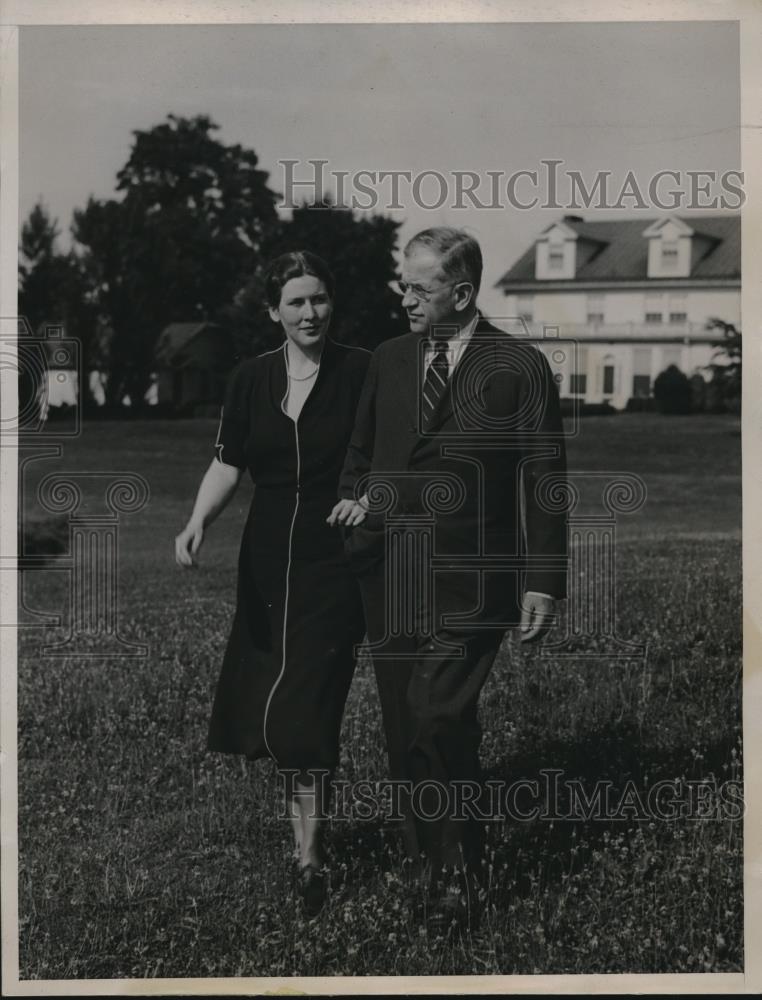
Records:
x=294, y=265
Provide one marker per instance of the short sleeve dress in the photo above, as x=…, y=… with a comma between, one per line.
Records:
x=289, y=660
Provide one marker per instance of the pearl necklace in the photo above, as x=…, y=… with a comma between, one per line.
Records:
x=304, y=378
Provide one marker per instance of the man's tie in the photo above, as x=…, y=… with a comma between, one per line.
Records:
x=435, y=383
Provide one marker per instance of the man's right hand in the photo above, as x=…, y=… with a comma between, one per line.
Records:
x=187, y=544
x=348, y=512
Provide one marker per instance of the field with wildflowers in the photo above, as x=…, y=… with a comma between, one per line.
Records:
x=141, y=855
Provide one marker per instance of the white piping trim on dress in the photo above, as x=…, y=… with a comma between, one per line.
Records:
x=279, y=678
x=218, y=446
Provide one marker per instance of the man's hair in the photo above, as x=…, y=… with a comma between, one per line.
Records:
x=461, y=254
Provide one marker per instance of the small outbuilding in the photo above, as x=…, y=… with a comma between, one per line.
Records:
x=192, y=364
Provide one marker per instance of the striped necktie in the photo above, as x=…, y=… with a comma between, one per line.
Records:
x=435, y=383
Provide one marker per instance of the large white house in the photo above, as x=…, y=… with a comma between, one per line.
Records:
x=634, y=296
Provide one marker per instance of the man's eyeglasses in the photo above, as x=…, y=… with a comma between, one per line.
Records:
x=418, y=291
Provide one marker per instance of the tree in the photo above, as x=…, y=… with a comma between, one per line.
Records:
x=185, y=236
x=360, y=252
x=726, y=366
x=39, y=235
x=52, y=285
x=44, y=274
x=246, y=317
x=672, y=391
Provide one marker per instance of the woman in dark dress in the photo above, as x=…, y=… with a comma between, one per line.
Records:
x=287, y=418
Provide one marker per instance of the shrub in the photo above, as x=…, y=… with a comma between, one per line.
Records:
x=574, y=406
x=698, y=393
x=640, y=404
x=672, y=391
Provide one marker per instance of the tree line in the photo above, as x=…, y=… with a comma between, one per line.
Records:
x=186, y=238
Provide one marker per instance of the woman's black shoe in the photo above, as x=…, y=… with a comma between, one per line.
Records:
x=312, y=884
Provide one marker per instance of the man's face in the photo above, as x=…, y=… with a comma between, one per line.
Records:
x=434, y=305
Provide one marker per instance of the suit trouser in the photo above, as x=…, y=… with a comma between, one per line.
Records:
x=429, y=685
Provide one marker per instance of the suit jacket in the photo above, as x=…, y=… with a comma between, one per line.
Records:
x=496, y=435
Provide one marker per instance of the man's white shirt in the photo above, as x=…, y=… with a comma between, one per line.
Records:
x=456, y=344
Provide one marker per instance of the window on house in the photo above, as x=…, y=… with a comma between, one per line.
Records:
x=608, y=378
x=641, y=386
x=641, y=379
x=669, y=254
x=595, y=309
x=578, y=377
x=654, y=307
x=556, y=258
x=678, y=307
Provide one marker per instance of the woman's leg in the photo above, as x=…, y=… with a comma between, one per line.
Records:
x=306, y=798
x=307, y=794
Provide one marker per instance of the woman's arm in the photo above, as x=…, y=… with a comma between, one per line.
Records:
x=217, y=487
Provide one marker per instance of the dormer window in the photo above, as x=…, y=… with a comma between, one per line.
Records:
x=556, y=255
x=669, y=254
x=670, y=242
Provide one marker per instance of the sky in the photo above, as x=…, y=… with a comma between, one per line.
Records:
x=643, y=96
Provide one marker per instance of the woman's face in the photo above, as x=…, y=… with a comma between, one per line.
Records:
x=304, y=310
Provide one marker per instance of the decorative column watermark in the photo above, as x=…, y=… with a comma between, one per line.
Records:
x=590, y=629
x=92, y=560
x=409, y=562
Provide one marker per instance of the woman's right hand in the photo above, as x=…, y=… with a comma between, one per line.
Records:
x=187, y=544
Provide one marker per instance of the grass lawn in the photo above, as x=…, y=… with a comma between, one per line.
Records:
x=143, y=855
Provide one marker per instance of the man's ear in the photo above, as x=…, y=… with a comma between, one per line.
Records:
x=464, y=295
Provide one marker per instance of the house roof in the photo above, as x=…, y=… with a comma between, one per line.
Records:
x=623, y=254
x=175, y=339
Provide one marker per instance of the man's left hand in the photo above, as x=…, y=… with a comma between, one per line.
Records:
x=537, y=616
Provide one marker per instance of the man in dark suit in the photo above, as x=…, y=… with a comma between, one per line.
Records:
x=457, y=440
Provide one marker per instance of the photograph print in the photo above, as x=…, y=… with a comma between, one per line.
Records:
x=378, y=453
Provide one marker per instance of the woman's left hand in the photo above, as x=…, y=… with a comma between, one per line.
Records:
x=348, y=512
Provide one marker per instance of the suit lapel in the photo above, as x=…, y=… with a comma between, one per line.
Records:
x=407, y=370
